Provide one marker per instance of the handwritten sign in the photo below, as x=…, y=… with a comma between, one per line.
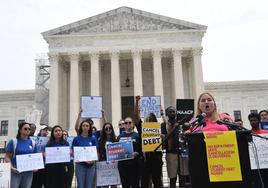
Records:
x=262, y=152
x=222, y=156
x=29, y=162
x=57, y=154
x=88, y=153
x=92, y=106
x=151, y=132
x=107, y=173
x=119, y=151
x=5, y=175
x=40, y=143
x=150, y=104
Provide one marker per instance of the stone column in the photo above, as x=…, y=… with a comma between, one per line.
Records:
x=95, y=74
x=157, y=72
x=177, y=76
x=137, y=72
x=74, y=89
x=115, y=88
x=198, y=73
x=54, y=89
x=95, y=81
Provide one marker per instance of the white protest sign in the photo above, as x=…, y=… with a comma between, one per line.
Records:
x=29, y=162
x=88, y=153
x=107, y=173
x=92, y=106
x=262, y=152
x=150, y=104
x=5, y=171
x=57, y=154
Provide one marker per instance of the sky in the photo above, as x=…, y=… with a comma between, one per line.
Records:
x=234, y=46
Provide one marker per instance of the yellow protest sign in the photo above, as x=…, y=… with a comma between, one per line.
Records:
x=151, y=132
x=222, y=156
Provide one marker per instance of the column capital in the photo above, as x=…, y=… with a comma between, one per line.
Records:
x=157, y=52
x=197, y=51
x=53, y=57
x=136, y=52
x=94, y=54
x=74, y=56
x=114, y=53
x=177, y=51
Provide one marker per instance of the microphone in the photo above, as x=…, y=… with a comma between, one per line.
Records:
x=231, y=125
x=198, y=118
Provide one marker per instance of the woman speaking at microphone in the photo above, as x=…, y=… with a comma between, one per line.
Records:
x=206, y=104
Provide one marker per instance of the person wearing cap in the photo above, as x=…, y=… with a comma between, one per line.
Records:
x=43, y=131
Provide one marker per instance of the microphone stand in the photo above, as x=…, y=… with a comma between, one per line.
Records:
x=236, y=127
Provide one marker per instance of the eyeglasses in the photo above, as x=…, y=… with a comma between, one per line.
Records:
x=108, y=128
x=120, y=124
x=128, y=122
x=27, y=129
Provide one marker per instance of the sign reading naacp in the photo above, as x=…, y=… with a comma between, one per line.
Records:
x=107, y=173
x=119, y=151
x=150, y=104
x=40, y=142
x=29, y=162
x=92, y=106
x=185, y=110
x=151, y=132
x=262, y=152
x=222, y=156
x=5, y=174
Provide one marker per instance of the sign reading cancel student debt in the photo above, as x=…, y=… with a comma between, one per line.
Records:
x=119, y=151
x=92, y=106
x=222, y=156
x=151, y=104
x=151, y=132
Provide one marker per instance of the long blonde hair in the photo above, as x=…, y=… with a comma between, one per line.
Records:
x=215, y=115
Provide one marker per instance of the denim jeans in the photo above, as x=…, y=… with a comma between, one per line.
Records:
x=21, y=180
x=84, y=175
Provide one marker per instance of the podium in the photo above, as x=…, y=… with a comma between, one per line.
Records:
x=198, y=166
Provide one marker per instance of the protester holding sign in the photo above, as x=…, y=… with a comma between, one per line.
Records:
x=85, y=171
x=57, y=172
x=129, y=169
x=151, y=162
x=107, y=136
x=18, y=146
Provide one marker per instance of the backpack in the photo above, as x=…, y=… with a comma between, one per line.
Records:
x=15, y=141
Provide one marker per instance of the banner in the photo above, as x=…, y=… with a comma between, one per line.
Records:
x=40, y=142
x=119, y=151
x=29, y=162
x=150, y=104
x=185, y=110
x=88, y=153
x=107, y=173
x=92, y=106
x=151, y=132
x=222, y=156
x=5, y=175
x=262, y=152
x=57, y=154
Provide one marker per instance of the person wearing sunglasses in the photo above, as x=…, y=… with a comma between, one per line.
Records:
x=107, y=136
x=19, y=146
x=129, y=169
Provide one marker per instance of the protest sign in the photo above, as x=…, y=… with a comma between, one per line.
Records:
x=5, y=173
x=88, y=153
x=150, y=104
x=151, y=132
x=107, y=173
x=29, y=162
x=119, y=151
x=185, y=110
x=57, y=154
x=40, y=143
x=92, y=106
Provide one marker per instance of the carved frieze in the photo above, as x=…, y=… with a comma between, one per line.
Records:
x=124, y=22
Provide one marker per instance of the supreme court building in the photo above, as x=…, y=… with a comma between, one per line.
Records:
x=120, y=54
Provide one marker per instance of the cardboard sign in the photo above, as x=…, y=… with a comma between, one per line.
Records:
x=150, y=104
x=222, y=156
x=185, y=110
x=107, y=173
x=151, y=132
x=5, y=175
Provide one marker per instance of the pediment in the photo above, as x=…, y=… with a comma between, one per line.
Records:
x=124, y=19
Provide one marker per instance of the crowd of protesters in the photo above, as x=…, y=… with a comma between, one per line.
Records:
x=143, y=171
